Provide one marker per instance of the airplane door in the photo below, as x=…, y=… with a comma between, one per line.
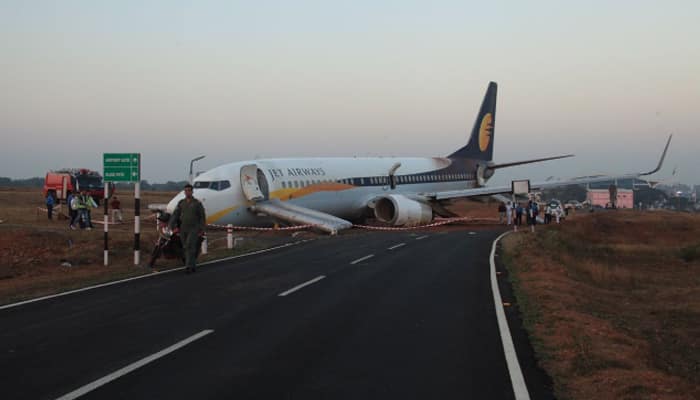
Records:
x=392, y=176
x=254, y=183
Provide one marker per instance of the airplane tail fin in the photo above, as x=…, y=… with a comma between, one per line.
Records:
x=480, y=145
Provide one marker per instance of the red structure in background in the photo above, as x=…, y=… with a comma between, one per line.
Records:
x=601, y=197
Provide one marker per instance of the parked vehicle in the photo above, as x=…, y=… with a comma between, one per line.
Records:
x=59, y=182
x=574, y=204
x=168, y=245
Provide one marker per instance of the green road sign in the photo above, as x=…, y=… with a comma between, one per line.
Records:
x=122, y=167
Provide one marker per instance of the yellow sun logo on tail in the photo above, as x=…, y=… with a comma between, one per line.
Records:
x=485, y=132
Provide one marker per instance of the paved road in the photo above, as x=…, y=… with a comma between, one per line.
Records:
x=315, y=320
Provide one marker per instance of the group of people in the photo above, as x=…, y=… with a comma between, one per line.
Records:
x=80, y=206
x=188, y=217
x=79, y=209
x=553, y=212
x=511, y=213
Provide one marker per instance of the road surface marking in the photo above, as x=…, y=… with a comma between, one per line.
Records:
x=295, y=288
x=129, y=368
x=396, y=246
x=362, y=259
x=516, y=375
x=421, y=237
x=21, y=303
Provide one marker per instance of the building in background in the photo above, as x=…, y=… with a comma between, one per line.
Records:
x=598, y=194
x=601, y=197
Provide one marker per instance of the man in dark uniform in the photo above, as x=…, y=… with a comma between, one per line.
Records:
x=190, y=214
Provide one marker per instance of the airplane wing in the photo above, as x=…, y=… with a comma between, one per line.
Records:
x=494, y=190
x=301, y=215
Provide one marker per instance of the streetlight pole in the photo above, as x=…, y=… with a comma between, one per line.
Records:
x=191, y=163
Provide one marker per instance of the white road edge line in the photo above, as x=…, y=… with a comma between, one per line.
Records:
x=516, y=375
x=295, y=288
x=21, y=303
x=396, y=246
x=421, y=237
x=359, y=260
x=129, y=368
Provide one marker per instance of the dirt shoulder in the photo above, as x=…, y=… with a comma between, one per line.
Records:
x=39, y=257
x=611, y=301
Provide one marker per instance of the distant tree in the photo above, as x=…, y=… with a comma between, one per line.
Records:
x=648, y=195
x=145, y=185
x=28, y=182
x=169, y=186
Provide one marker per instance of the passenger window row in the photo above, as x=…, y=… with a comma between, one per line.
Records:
x=379, y=180
x=213, y=185
x=433, y=178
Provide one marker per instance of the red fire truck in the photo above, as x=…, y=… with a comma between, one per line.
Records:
x=74, y=179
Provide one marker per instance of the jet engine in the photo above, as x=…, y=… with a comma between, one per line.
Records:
x=399, y=210
x=483, y=173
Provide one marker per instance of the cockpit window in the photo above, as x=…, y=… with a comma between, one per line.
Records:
x=215, y=185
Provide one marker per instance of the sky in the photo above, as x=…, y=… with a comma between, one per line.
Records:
x=172, y=80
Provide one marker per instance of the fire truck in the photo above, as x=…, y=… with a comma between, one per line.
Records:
x=74, y=179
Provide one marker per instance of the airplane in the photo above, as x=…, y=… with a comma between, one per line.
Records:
x=329, y=193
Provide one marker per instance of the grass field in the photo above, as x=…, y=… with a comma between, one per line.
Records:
x=35, y=252
x=612, y=303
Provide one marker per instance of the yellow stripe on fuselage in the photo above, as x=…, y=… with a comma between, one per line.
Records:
x=217, y=215
x=295, y=193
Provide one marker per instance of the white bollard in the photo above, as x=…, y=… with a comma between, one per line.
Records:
x=229, y=236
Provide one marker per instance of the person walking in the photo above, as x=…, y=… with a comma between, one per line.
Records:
x=557, y=213
x=50, y=201
x=82, y=204
x=191, y=218
x=509, y=213
x=501, y=212
x=533, y=210
x=548, y=214
x=519, y=214
x=116, y=206
x=88, y=204
x=72, y=201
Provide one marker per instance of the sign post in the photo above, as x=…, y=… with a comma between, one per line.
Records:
x=125, y=167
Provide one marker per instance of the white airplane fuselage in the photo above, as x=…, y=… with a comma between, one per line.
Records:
x=342, y=187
